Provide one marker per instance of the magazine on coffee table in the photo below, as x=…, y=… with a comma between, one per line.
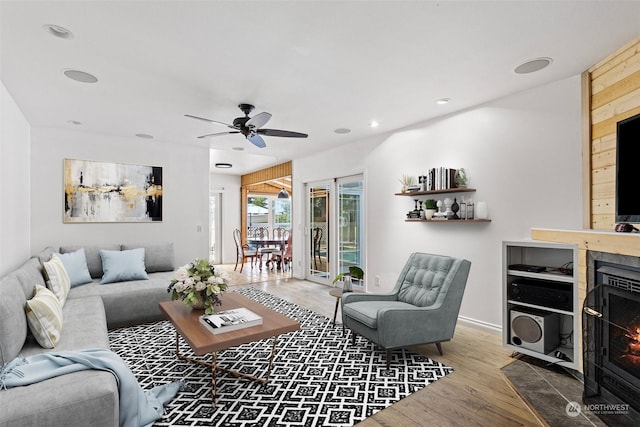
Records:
x=230, y=320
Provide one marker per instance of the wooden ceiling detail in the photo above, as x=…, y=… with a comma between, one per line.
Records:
x=266, y=181
x=276, y=172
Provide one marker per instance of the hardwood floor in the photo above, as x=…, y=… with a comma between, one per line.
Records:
x=475, y=394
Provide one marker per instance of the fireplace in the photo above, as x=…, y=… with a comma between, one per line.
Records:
x=611, y=338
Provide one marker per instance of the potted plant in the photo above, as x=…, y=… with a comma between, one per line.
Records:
x=430, y=208
x=199, y=285
x=406, y=181
x=355, y=272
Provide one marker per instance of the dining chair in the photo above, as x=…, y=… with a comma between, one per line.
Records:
x=279, y=233
x=243, y=252
x=262, y=233
x=317, y=239
x=277, y=256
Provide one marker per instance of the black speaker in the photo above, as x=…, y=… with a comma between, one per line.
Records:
x=535, y=330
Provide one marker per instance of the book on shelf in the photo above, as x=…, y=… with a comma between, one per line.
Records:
x=230, y=320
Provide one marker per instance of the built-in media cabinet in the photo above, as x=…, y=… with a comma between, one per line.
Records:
x=415, y=194
x=540, y=300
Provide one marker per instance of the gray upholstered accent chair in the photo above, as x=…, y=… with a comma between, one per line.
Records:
x=422, y=307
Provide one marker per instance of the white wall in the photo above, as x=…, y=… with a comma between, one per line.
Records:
x=229, y=187
x=14, y=184
x=523, y=154
x=185, y=201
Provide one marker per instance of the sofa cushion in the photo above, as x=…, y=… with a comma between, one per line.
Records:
x=127, y=303
x=44, y=315
x=157, y=257
x=76, y=265
x=122, y=266
x=89, y=398
x=57, y=278
x=92, y=255
x=13, y=321
x=366, y=312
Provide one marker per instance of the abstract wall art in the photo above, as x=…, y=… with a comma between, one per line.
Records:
x=111, y=192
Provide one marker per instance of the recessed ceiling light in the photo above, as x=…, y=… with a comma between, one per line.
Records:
x=80, y=76
x=58, y=31
x=374, y=124
x=223, y=165
x=74, y=122
x=238, y=148
x=342, y=130
x=443, y=101
x=533, y=65
x=144, y=135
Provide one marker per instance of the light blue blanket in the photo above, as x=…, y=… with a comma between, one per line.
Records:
x=138, y=407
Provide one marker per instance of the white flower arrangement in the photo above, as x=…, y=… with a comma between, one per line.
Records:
x=199, y=285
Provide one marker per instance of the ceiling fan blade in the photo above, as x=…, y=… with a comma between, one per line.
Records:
x=210, y=121
x=284, y=133
x=256, y=140
x=258, y=120
x=218, y=134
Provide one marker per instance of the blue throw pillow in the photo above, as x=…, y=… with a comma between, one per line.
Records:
x=120, y=266
x=76, y=265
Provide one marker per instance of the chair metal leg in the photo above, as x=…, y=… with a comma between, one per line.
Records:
x=335, y=312
x=388, y=359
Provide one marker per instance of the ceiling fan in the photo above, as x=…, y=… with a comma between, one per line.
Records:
x=251, y=127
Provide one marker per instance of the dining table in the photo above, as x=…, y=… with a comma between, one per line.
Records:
x=262, y=246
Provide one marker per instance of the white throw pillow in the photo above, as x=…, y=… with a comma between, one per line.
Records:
x=44, y=316
x=57, y=278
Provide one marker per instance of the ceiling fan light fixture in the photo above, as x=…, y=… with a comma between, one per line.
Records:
x=283, y=194
x=223, y=165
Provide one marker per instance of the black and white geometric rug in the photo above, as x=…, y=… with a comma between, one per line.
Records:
x=318, y=378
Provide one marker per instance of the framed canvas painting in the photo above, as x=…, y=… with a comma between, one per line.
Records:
x=111, y=192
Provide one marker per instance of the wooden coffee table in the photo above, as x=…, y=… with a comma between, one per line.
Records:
x=187, y=325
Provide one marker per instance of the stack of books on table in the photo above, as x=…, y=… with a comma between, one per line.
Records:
x=230, y=320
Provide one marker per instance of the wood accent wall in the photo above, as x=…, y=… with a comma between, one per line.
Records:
x=614, y=95
x=255, y=180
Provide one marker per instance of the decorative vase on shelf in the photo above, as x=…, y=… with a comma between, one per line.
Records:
x=481, y=210
x=455, y=208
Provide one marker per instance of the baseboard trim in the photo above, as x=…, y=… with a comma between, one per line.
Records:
x=479, y=324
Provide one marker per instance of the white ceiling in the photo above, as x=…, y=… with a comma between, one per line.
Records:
x=315, y=65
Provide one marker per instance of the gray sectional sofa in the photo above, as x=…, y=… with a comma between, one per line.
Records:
x=85, y=398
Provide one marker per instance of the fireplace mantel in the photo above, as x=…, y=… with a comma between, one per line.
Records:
x=603, y=241
x=586, y=240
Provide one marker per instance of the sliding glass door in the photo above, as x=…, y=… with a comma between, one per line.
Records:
x=335, y=227
x=351, y=223
x=319, y=208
